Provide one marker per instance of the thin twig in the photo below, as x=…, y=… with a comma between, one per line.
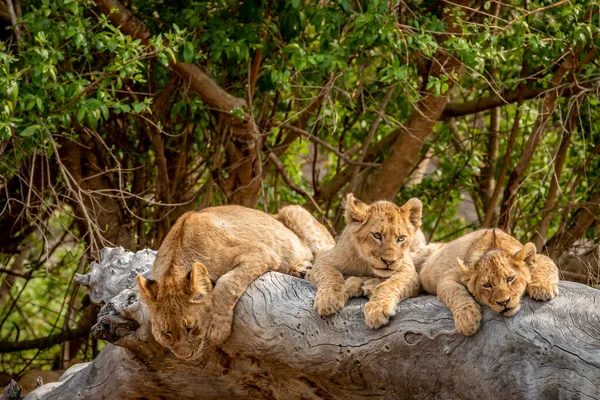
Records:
x=328, y=146
x=281, y=168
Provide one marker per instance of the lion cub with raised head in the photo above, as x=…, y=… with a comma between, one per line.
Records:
x=209, y=258
x=489, y=266
x=373, y=254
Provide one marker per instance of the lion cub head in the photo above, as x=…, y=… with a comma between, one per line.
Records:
x=499, y=279
x=180, y=310
x=382, y=232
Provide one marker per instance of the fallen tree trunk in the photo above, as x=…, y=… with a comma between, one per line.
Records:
x=280, y=348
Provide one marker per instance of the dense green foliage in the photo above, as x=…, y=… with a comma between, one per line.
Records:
x=101, y=142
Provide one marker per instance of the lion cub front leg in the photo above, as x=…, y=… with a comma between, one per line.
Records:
x=386, y=296
x=252, y=261
x=464, y=308
x=331, y=291
x=544, y=279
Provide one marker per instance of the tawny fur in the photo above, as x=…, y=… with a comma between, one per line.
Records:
x=230, y=246
x=489, y=266
x=373, y=254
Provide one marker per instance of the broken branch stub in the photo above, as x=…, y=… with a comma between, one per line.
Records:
x=280, y=348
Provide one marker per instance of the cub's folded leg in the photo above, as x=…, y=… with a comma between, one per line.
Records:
x=386, y=296
x=544, y=279
x=466, y=311
x=355, y=285
x=253, y=261
x=307, y=228
x=331, y=293
x=369, y=285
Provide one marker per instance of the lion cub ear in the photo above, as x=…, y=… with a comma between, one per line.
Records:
x=199, y=282
x=414, y=207
x=464, y=267
x=356, y=210
x=148, y=288
x=527, y=254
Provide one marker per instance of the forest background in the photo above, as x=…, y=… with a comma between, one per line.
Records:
x=117, y=117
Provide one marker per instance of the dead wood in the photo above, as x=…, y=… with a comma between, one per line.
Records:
x=280, y=348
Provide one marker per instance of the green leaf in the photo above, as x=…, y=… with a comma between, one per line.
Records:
x=445, y=87
x=105, y=112
x=238, y=112
x=39, y=104
x=295, y=3
x=29, y=131
x=138, y=107
x=80, y=114
x=112, y=44
x=188, y=52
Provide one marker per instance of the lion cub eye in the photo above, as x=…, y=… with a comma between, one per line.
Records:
x=191, y=329
x=376, y=235
x=510, y=279
x=401, y=239
x=166, y=333
x=487, y=285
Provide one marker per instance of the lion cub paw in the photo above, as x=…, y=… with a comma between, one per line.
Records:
x=368, y=287
x=467, y=320
x=300, y=270
x=328, y=302
x=220, y=328
x=378, y=312
x=543, y=291
x=353, y=286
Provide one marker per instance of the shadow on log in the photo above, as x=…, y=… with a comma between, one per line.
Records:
x=280, y=348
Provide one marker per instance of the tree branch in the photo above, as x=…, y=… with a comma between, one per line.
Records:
x=246, y=170
x=460, y=109
x=281, y=168
x=44, y=343
x=570, y=62
x=385, y=182
x=341, y=155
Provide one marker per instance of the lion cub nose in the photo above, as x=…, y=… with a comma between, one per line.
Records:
x=387, y=262
x=503, y=302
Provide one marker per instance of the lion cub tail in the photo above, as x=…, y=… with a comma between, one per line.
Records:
x=307, y=228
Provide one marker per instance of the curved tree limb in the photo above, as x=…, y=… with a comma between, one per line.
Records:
x=246, y=170
x=44, y=343
x=280, y=348
x=385, y=182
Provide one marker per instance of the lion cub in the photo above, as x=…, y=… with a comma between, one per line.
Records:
x=209, y=258
x=489, y=266
x=373, y=252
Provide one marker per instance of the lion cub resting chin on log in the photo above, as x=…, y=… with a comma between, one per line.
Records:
x=489, y=266
x=229, y=246
x=373, y=253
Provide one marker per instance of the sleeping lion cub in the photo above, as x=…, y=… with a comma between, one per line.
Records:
x=229, y=246
x=373, y=253
x=489, y=266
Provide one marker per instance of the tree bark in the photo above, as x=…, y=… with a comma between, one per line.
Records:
x=487, y=181
x=385, y=182
x=539, y=236
x=280, y=348
x=460, y=109
x=245, y=169
x=583, y=219
x=548, y=104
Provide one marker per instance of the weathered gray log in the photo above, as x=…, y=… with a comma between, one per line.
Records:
x=12, y=391
x=280, y=348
